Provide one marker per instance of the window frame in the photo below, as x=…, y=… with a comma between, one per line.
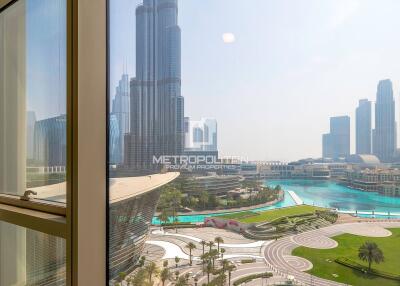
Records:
x=83, y=219
x=49, y=217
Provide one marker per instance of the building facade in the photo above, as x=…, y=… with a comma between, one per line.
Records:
x=336, y=144
x=384, y=135
x=201, y=135
x=121, y=112
x=363, y=127
x=156, y=104
x=50, y=141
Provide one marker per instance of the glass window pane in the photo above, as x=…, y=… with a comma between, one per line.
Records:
x=33, y=98
x=29, y=257
x=281, y=122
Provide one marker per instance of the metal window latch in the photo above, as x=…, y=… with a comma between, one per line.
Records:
x=27, y=194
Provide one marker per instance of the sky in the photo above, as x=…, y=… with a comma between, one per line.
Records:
x=46, y=57
x=272, y=72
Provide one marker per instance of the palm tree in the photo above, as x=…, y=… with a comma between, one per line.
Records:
x=213, y=255
x=204, y=258
x=219, y=240
x=121, y=276
x=230, y=269
x=139, y=278
x=176, y=274
x=182, y=281
x=370, y=252
x=177, y=259
x=165, y=275
x=224, y=264
x=210, y=244
x=165, y=263
x=151, y=269
x=190, y=246
x=203, y=243
x=209, y=269
x=203, y=198
x=222, y=251
x=163, y=217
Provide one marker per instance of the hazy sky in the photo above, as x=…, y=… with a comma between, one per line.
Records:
x=291, y=65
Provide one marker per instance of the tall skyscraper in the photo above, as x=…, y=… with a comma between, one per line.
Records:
x=50, y=141
x=30, y=130
x=121, y=111
x=363, y=127
x=157, y=107
x=385, y=141
x=336, y=144
x=201, y=135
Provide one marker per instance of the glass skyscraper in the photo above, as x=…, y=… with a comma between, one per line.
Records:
x=384, y=141
x=157, y=107
x=121, y=111
x=363, y=127
x=336, y=144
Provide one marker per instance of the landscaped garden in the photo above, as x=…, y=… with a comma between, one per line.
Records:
x=326, y=264
x=270, y=215
x=272, y=224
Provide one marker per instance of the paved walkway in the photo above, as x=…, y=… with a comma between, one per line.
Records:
x=229, y=245
x=278, y=254
x=295, y=198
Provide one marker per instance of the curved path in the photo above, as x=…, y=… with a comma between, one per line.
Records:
x=232, y=245
x=277, y=253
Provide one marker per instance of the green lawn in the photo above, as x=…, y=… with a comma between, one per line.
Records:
x=324, y=265
x=270, y=215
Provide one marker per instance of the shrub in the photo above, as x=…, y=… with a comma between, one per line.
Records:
x=244, y=261
x=252, y=277
x=354, y=265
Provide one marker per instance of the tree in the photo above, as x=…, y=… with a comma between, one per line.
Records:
x=182, y=281
x=177, y=259
x=225, y=264
x=204, y=258
x=165, y=263
x=222, y=251
x=190, y=246
x=213, y=254
x=370, y=252
x=209, y=269
x=151, y=269
x=163, y=217
x=165, y=275
x=203, y=243
x=210, y=244
x=176, y=274
x=121, y=276
x=230, y=269
x=203, y=199
x=139, y=278
x=142, y=261
x=219, y=240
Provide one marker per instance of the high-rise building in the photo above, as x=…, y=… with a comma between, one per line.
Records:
x=121, y=111
x=336, y=144
x=384, y=140
x=50, y=141
x=30, y=128
x=157, y=107
x=114, y=140
x=326, y=146
x=363, y=127
x=201, y=135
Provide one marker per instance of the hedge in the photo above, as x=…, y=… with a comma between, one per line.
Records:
x=252, y=277
x=354, y=265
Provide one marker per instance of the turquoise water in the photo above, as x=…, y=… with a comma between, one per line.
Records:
x=320, y=193
x=333, y=195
